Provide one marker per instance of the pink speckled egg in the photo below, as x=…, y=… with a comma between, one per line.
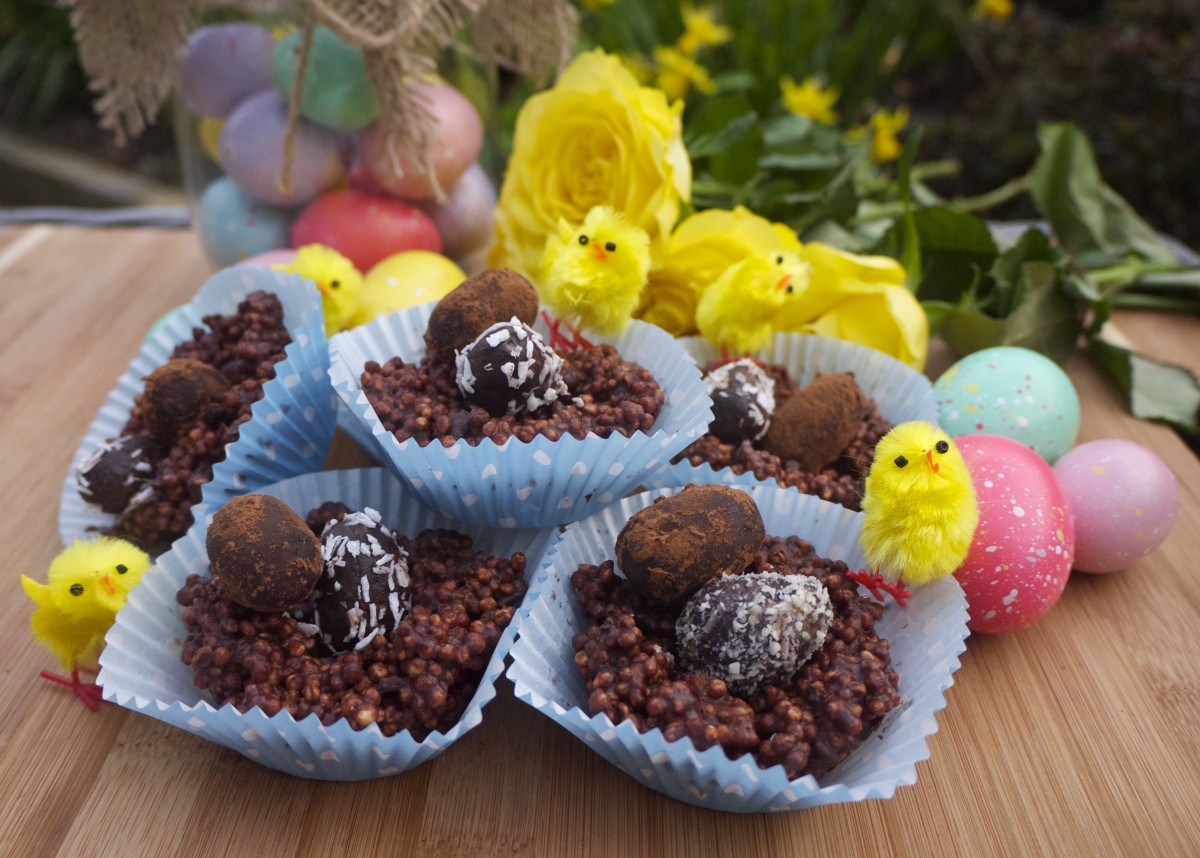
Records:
x=1024, y=545
x=280, y=256
x=1123, y=498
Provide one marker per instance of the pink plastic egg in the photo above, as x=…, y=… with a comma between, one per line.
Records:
x=1124, y=501
x=281, y=256
x=1020, y=559
x=364, y=228
x=457, y=140
x=465, y=220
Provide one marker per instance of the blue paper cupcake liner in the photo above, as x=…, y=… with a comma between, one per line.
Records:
x=140, y=667
x=517, y=484
x=291, y=426
x=900, y=392
x=927, y=638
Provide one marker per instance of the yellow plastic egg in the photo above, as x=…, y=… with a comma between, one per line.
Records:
x=406, y=279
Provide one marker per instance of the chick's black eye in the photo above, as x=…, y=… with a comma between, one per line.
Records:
x=122, y=568
x=791, y=289
x=333, y=284
x=901, y=461
x=76, y=589
x=610, y=246
x=583, y=239
x=942, y=447
x=779, y=260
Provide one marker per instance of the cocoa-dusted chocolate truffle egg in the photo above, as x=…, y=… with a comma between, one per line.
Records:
x=753, y=629
x=364, y=587
x=116, y=476
x=509, y=369
x=262, y=552
x=490, y=296
x=813, y=427
x=673, y=547
x=176, y=394
x=743, y=400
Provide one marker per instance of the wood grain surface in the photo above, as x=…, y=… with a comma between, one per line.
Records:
x=1079, y=735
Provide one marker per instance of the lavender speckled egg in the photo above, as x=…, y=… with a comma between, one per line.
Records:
x=222, y=65
x=1124, y=501
x=1014, y=392
x=1024, y=545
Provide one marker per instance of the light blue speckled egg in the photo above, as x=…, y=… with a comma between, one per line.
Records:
x=1013, y=392
x=234, y=225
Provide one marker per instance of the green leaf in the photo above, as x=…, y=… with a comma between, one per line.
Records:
x=956, y=249
x=1046, y=320
x=1005, y=287
x=1085, y=214
x=1156, y=390
x=725, y=136
x=728, y=133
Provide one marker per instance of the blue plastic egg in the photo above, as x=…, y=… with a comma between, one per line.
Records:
x=234, y=225
x=1012, y=392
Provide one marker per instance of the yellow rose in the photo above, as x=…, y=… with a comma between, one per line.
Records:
x=698, y=252
x=595, y=138
x=861, y=299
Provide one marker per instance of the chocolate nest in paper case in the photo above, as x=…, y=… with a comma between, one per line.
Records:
x=420, y=677
x=840, y=481
x=808, y=725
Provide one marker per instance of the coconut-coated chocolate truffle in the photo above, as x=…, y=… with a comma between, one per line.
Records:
x=509, y=369
x=743, y=400
x=116, y=476
x=364, y=588
x=490, y=296
x=262, y=552
x=814, y=426
x=176, y=394
x=753, y=629
x=673, y=547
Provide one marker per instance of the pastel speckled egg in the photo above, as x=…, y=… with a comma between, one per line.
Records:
x=1124, y=500
x=1024, y=545
x=1014, y=392
x=234, y=225
x=336, y=91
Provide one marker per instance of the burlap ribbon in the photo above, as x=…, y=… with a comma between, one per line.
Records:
x=130, y=50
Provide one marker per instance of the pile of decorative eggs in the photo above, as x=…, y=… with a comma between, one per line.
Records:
x=1046, y=507
x=342, y=188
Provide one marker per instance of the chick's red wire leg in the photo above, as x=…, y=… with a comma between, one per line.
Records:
x=88, y=692
x=876, y=586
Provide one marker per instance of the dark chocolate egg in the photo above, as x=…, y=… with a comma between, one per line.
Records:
x=743, y=400
x=509, y=369
x=813, y=426
x=490, y=296
x=364, y=588
x=673, y=547
x=263, y=553
x=753, y=629
x=116, y=476
x=176, y=394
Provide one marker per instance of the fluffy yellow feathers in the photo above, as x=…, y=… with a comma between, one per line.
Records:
x=592, y=276
x=86, y=585
x=339, y=282
x=740, y=310
x=919, y=510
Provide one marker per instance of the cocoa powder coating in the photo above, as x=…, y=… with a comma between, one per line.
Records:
x=176, y=394
x=493, y=295
x=813, y=427
x=263, y=553
x=673, y=547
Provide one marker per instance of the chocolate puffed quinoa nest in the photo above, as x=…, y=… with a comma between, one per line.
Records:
x=419, y=678
x=421, y=401
x=841, y=481
x=809, y=725
x=244, y=347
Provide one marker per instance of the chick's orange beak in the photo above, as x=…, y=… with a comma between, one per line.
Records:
x=598, y=251
x=784, y=281
x=932, y=464
x=108, y=585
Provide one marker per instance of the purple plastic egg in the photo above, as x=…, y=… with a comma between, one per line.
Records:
x=223, y=65
x=252, y=152
x=1124, y=500
x=464, y=220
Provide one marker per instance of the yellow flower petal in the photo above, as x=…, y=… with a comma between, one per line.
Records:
x=700, y=29
x=810, y=99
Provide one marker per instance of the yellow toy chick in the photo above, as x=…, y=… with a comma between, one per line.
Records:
x=919, y=510
x=86, y=585
x=593, y=276
x=339, y=282
x=739, y=311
